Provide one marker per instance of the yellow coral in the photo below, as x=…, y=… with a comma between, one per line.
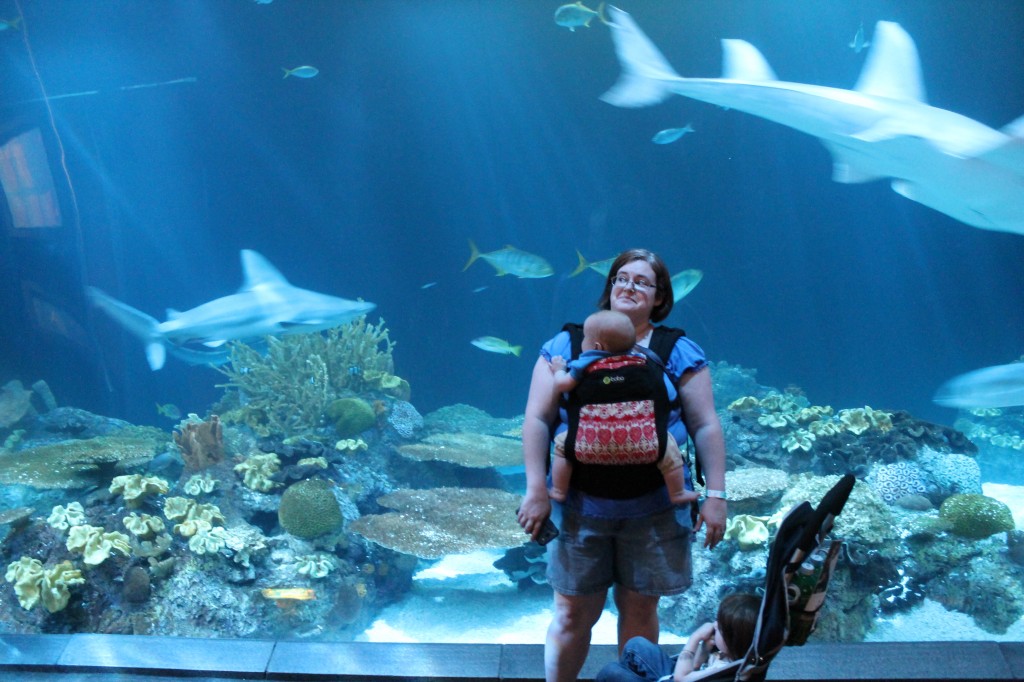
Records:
x=144, y=527
x=208, y=540
x=748, y=402
x=178, y=508
x=314, y=566
x=318, y=462
x=749, y=532
x=198, y=484
x=774, y=420
x=256, y=471
x=135, y=487
x=63, y=518
x=801, y=439
x=351, y=445
x=95, y=545
x=27, y=574
x=33, y=584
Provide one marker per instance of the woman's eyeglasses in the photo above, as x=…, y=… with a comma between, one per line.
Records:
x=641, y=285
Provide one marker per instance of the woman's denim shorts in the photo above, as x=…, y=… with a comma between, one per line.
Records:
x=649, y=555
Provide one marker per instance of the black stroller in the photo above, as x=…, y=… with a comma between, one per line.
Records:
x=800, y=564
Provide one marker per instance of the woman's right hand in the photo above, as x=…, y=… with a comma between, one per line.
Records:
x=534, y=510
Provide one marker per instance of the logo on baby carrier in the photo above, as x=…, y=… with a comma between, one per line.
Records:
x=613, y=379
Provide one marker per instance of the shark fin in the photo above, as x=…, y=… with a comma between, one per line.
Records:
x=259, y=272
x=848, y=175
x=892, y=68
x=646, y=74
x=173, y=314
x=743, y=62
x=156, y=354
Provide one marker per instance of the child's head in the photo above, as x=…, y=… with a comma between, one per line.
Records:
x=610, y=331
x=737, y=618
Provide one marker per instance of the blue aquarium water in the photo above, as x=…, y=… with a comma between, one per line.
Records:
x=351, y=178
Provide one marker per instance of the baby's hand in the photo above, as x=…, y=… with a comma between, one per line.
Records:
x=557, y=363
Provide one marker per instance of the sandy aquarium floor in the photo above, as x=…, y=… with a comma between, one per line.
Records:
x=464, y=599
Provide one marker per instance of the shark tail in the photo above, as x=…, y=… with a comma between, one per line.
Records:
x=602, y=15
x=138, y=323
x=646, y=76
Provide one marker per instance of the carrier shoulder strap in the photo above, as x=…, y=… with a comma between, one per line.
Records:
x=663, y=340
x=575, y=338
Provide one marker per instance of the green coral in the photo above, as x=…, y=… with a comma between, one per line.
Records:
x=80, y=463
x=749, y=532
x=136, y=487
x=33, y=583
x=287, y=389
x=256, y=471
x=309, y=509
x=801, y=439
x=95, y=545
x=63, y=518
x=976, y=516
x=351, y=416
x=207, y=539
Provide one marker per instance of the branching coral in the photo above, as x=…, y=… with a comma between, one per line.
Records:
x=288, y=389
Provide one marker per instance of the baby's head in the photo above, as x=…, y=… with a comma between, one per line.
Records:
x=737, y=620
x=610, y=331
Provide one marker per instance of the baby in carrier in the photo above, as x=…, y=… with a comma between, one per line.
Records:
x=607, y=335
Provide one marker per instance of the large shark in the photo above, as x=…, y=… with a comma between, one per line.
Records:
x=265, y=305
x=880, y=129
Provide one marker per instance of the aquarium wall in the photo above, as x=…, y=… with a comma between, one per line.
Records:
x=275, y=276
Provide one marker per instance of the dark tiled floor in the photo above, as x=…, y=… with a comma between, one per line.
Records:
x=89, y=658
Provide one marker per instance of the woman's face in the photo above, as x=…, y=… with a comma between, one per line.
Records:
x=635, y=301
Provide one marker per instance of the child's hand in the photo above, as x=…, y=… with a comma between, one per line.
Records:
x=557, y=363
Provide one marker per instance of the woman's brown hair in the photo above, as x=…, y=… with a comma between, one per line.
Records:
x=663, y=281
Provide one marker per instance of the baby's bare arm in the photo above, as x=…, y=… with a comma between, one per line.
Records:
x=561, y=377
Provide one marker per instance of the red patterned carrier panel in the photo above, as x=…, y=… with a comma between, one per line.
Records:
x=617, y=433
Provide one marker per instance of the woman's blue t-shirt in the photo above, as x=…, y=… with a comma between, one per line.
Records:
x=686, y=356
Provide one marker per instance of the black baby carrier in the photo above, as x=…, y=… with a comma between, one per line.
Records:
x=618, y=419
x=800, y=564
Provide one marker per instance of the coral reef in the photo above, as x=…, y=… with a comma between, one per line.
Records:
x=755, y=489
x=96, y=545
x=895, y=481
x=976, y=516
x=432, y=523
x=309, y=509
x=288, y=389
x=405, y=419
x=865, y=518
x=258, y=471
x=78, y=463
x=201, y=442
x=466, y=449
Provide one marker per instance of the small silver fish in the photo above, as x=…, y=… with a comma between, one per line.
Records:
x=479, y=289
x=684, y=282
x=301, y=71
x=512, y=261
x=429, y=285
x=671, y=134
x=493, y=344
x=859, y=42
x=576, y=14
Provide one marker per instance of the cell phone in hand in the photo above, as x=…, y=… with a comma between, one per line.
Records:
x=548, y=532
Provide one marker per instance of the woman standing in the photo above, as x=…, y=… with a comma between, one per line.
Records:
x=634, y=542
